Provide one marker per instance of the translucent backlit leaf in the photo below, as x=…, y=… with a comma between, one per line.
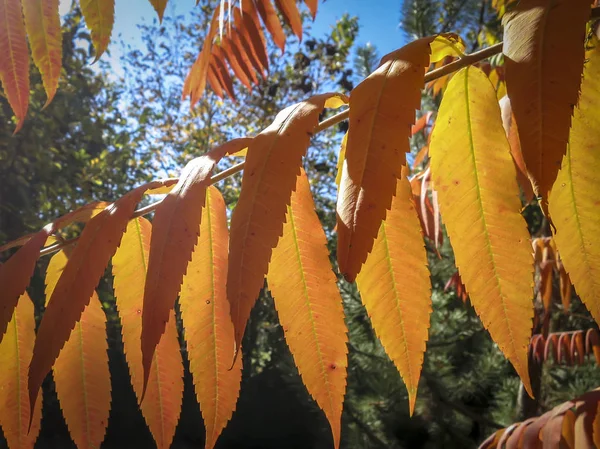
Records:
x=81, y=373
x=543, y=54
x=474, y=175
x=15, y=354
x=312, y=7
x=174, y=233
x=573, y=202
x=14, y=59
x=42, y=23
x=87, y=262
x=207, y=323
x=16, y=273
x=378, y=138
x=309, y=305
x=272, y=165
x=291, y=14
x=395, y=288
x=269, y=17
x=162, y=405
x=99, y=17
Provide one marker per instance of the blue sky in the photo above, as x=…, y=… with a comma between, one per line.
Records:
x=378, y=20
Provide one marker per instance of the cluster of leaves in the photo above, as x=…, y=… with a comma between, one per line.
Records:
x=570, y=347
x=573, y=424
x=275, y=233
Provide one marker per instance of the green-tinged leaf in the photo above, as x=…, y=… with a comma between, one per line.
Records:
x=99, y=17
x=474, y=175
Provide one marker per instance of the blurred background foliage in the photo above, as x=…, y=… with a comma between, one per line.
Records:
x=102, y=135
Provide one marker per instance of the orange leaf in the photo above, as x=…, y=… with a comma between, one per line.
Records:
x=42, y=22
x=14, y=59
x=15, y=354
x=251, y=42
x=81, y=370
x=378, y=138
x=312, y=7
x=159, y=6
x=175, y=232
x=162, y=406
x=99, y=17
x=16, y=273
x=272, y=165
x=207, y=323
x=543, y=49
x=510, y=127
x=269, y=17
x=482, y=212
x=309, y=305
x=395, y=288
x=96, y=245
x=229, y=54
x=291, y=14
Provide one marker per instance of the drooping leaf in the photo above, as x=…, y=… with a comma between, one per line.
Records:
x=378, y=138
x=42, y=23
x=15, y=354
x=207, y=323
x=309, y=305
x=512, y=133
x=14, y=59
x=162, y=405
x=159, y=6
x=81, y=373
x=174, y=234
x=87, y=262
x=272, y=165
x=269, y=17
x=99, y=17
x=573, y=202
x=543, y=54
x=395, y=288
x=291, y=14
x=475, y=178
x=16, y=273
x=312, y=7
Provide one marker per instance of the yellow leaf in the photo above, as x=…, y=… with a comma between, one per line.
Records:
x=543, y=54
x=573, y=202
x=395, y=288
x=14, y=59
x=475, y=177
x=161, y=406
x=309, y=305
x=272, y=165
x=15, y=354
x=207, y=323
x=42, y=23
x=382, y=112
x=81, y=372
x=99, y=17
